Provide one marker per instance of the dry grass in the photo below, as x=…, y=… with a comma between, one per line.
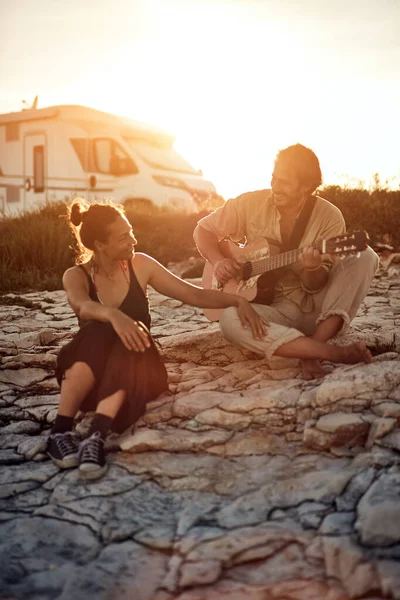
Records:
x=36, y=248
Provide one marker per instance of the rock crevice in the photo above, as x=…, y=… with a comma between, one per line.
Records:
x=242, y=482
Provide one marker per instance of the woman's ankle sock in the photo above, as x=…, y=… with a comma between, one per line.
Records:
x=62, y=424
x=101, y=423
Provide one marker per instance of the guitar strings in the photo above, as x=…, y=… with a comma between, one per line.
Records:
x=277, y=261
x=286, y=258
x=274, y=262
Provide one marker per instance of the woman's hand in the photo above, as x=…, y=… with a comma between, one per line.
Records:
x=132, y=334
x=249, y=316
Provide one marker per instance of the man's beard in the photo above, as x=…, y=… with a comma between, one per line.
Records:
x=282, y=199
x=288, y=204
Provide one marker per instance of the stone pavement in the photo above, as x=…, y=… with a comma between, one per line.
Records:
x=244, y=482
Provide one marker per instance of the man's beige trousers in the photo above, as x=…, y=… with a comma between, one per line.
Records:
x=348, y=284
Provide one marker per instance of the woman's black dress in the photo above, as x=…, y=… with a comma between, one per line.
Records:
x=141, y=374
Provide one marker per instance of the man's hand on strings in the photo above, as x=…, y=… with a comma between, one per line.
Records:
x=226, y=269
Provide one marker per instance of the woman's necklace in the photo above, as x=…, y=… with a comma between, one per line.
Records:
x=123, y=268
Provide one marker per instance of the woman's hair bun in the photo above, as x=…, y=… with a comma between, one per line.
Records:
x=77, y=211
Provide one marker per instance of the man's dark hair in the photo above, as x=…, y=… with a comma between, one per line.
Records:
x=304, y=163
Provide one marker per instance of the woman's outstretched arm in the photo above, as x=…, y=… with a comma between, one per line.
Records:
x=164, y=282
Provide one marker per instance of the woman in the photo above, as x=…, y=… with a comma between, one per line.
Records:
x=112, y=365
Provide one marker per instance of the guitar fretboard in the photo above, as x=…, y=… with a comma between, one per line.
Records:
x=276, y=261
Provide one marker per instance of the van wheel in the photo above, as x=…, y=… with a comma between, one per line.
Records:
x=141, y=206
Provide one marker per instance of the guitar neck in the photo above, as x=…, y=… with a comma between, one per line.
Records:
x=276, y=261
x=342, y=245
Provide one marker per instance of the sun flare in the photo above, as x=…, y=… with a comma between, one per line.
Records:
x=234, y=81
x=226, y=95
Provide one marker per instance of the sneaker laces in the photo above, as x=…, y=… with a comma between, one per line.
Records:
x=65, y=442
x=91, y=448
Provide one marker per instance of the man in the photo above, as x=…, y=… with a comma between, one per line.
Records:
x=319, y=296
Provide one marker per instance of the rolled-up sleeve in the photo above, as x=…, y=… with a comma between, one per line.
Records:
x=228, y=220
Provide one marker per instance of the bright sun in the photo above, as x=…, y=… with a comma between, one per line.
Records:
x=232, y=87
x=212, y=99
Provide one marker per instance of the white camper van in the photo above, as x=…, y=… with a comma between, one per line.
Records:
x=60, y=152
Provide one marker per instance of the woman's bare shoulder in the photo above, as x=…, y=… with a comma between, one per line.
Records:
x=141, y=256
x=144, y=261
x=75, y=274
x=145, y=267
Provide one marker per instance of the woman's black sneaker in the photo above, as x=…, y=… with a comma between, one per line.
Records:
x=92, y=460
x=63, y=449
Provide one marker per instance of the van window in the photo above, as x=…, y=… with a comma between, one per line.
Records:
x=84, y=153
x=38, y=169
x=160, y=157
x=111, y=158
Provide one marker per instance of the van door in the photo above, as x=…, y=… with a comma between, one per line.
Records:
x=35, y=170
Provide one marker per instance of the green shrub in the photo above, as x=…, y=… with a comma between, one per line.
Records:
x=165, y=235
x=376, y=211
x=36, y=248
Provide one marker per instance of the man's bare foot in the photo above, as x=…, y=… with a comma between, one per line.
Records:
x=311, y=369
x=354, y=353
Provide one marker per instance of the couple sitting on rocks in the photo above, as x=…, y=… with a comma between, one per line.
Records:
x=112, y=366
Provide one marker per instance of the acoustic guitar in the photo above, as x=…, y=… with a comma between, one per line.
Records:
x=261, y=269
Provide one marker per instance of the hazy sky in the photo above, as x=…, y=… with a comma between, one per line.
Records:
x=234, y=80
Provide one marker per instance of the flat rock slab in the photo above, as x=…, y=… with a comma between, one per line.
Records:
x=243, y=481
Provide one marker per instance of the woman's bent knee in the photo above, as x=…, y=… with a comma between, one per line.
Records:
x=79, y=370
